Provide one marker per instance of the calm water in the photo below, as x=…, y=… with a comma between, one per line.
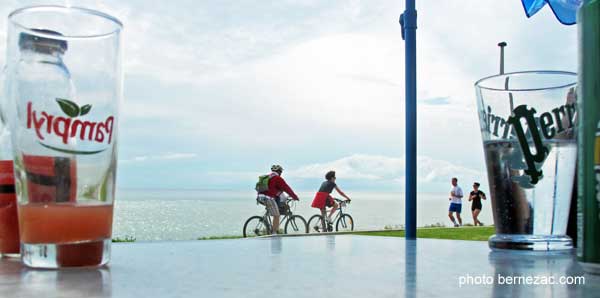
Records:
x=185, y=215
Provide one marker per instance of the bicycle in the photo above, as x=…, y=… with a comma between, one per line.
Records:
x=343, y=221
x=262, y=225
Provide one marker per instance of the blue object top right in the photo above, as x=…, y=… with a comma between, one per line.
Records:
x=564, y=10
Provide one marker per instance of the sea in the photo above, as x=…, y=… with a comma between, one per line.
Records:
x=150, y=214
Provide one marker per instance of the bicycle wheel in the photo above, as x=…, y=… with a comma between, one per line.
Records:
x=344, y=223
x=296, y=224
x=315, y=224
x=256, y=226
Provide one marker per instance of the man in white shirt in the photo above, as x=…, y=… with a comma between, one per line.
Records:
x=455, y=199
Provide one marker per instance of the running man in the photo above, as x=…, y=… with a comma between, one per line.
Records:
x=455, y=199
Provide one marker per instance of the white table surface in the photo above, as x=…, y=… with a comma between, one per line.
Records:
x=321, y=266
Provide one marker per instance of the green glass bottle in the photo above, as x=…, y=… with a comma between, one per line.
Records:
x=588, y=205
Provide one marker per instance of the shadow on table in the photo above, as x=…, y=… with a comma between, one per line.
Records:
x=276, y=245
x=410, y=263
x=41, y=282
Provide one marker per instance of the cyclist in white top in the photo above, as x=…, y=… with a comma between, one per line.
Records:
x=455, y=199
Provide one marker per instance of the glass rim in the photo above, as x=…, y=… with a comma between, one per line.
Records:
x=59, y=8
x=479, y=83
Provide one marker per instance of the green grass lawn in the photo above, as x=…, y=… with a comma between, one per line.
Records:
x=220, y=237
x=463, y=233
x=124, y=239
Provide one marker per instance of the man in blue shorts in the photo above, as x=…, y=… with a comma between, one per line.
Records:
x=455, y=199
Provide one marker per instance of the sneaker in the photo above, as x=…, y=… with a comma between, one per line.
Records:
x=456, y=225
x=481, y=224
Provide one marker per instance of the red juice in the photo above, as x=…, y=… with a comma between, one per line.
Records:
x=9, y=224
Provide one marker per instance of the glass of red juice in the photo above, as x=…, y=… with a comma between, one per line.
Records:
x=63, y=83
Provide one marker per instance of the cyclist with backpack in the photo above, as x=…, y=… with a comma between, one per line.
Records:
x=323, y=197
x=270, y=188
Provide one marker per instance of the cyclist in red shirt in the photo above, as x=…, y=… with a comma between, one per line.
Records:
x=272, y=197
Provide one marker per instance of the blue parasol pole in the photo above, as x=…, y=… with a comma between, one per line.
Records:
x=408, y=22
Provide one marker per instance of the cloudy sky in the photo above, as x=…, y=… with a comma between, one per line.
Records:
x=216, y=92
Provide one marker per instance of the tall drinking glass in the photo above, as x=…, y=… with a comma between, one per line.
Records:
x=528, y=122
x=63, y=86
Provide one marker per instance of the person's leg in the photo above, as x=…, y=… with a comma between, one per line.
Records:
x=275, y=224
x=458, y=217
x=451, y=217
x=333, y=209
x=475, y=216
x=324, y=215
x=273, y=209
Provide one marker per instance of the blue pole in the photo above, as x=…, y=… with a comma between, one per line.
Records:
x=408, y=21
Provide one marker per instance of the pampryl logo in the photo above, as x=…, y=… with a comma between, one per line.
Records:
x=71, y=126
x=530, y=131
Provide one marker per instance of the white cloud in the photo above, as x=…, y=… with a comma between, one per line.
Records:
x=435, y=170
x=358, y=166
x=386, y=168
x=235, y=175
x=167, y=156
x=316, y=70
x=179, y=156
x=342, y=77
x=138, y=158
